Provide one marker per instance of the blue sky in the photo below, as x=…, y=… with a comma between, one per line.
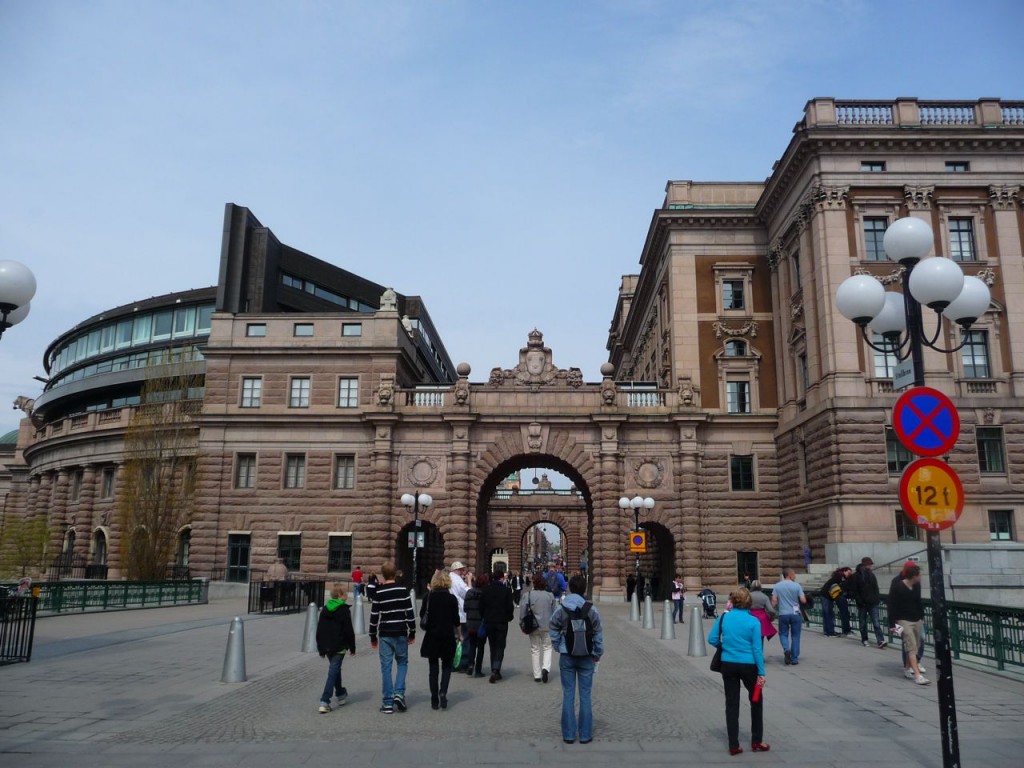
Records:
x=502, y=160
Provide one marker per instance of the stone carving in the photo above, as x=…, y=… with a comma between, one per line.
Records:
x=608, y=391
x=689, y=395
x=25, y=404
x=795, y=310
x=775, y=254
x=896, y=276
x=534, y=437
x=389, y=301
x=919, y=198
x=987, y=276
x=1003, y=198
x=649, y=472
x=386, y=391
x=407, y=324
x=461, y=392
x=749, y=328
x=423, y=472
x=535, y=368
x=829, y=198
x=990, y=415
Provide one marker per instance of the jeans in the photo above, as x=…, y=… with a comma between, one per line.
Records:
x=862, y=615
x=497, y=637
x=571, y=669
x=732, y=675
x=393, y=649
x=444, y=666
x=790, y=626
x=677, y=610
x=828, y=611
x=540, y=645
x=333, y=683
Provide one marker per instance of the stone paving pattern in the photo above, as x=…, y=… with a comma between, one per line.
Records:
x=142, y=687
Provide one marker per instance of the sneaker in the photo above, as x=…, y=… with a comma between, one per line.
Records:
x=324, y=707
x=400, y=702
x=387, y=709
x=921, y=668
x=864, y=643
x=882, y=643
x=794, y=662
x=759, y=746
x=908, y=673
x=339, y=701
x=789, y=658
x=921, y=680
x=544, y=675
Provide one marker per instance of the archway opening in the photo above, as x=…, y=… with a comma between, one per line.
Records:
x=542, y=543
x=652, y=571
x=428, y=543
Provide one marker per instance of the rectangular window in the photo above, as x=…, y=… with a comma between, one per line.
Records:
x=746, y=567
x=958, y=166
x=885, y=362
x=905, y=529
x=204, y=319
x=184, y=322
x=798, y=280
x=256, y=329
x=348, y=393
x=107, y=341
x=76, y=486
x=351, y=329
x=299, y=395
x=252, y=391
x=142, y=329
x=344, y=472
x=741, y=473
x=245, y=470
x=1000, y=525
x=975, y=355
x=162, y=324
x=737, y=394
x=107, y=484
x=991, y=456
x=961, y=239
x=289, y=549
x=124, y=334
x=874, y=231
x=303, y=329
x=732, y=295
x=897, y=457
x=805, y=374
x=238, y=558
x=339, y=553
x=295, y=470
x=872, y=166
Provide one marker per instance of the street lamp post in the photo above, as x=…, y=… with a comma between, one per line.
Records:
x=17, y=287
x=939, y=284
x=636, y=504
x=416, y=501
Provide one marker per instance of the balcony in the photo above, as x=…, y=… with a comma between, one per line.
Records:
x=911, y=112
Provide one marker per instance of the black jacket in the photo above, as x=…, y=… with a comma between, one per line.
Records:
x=334, y=632
x=496, y=605
x=904, y=604
x=471, y=604
x=442, y=612
x=865, y=587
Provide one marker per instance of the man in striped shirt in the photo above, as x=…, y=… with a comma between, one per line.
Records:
x=392, y=630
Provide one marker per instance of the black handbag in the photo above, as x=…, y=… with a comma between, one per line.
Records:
x=716, y=660
x=529, y=623
x=425, y=618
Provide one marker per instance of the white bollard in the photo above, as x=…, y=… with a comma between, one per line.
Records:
x=697, y=645
x=358, y=619
x=634, y=607
x=234, y=654
x=309, y=634
x=648, y=612
x=668, y=628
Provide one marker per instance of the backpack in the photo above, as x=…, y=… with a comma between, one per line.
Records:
x=579, y=631
x=552, y=581
x=835, y=591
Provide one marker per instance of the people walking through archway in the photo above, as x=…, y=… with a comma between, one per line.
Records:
x=439, y=617
x=540, y=604
x=497, y=610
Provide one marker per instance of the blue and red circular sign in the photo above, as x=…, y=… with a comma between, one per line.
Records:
x=926, y=421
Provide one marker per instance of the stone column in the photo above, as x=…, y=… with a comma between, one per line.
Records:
x=609, y=523
x=86, y=501
x=1004, y=201
x=686, y=463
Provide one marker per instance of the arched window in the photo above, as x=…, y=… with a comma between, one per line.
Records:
x=99, y=548
x=735, y=348
x=184, y=544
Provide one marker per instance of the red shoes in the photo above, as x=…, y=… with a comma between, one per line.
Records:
x=735, y=751
x=760, y=746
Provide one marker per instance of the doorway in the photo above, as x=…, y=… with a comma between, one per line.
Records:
x=429, y=547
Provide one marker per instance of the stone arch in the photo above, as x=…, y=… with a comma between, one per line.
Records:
x=560, y=520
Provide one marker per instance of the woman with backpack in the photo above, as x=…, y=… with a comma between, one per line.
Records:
x=577, y=635
x=535, y=620
x=833, y=596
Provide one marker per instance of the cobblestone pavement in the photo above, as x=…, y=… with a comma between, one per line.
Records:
x=143, y=688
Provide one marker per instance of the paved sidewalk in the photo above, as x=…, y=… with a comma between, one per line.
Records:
x=142, y=687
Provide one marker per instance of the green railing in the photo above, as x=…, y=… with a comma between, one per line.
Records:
x=985, y=633
x=86, y=596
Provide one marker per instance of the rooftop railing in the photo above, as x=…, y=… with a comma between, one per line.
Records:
x=913, y=112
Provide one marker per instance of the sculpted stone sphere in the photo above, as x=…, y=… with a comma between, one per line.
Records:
x=607, y=369
x=463, y=369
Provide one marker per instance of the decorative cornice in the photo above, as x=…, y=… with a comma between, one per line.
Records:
x=749, y=328
x=895, y=276
x=1003, y=198
x=987, y=276
x=919, y=198
x=828, y=198
x=776, y=253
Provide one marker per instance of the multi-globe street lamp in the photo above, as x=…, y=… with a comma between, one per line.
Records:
x=939, y=284
x=636, y=504
x=17, y=287
x=416, y=501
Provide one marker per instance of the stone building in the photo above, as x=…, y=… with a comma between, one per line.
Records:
x=735, y=395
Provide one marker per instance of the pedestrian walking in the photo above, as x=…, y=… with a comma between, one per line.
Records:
x=439, y=617
x=357, y=582
x=459, y=573
x=738, y=634
x=516, y=584
x=474, y=638
x=920, y=648
x=393, y=630
x=787, y=597
x=864, y=588
x=334, y=638
x=541, y=605
x=371, y=587
x=678, y=595
x=555, y=582
x=576, y=634
x=497, y=610
x=833, y=599
x=761, y=608
x=906, y=615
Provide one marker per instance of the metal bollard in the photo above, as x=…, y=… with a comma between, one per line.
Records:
x=648, y=612
x=668, y=627
x=634, y=608
x=309, y=635
x=697, y=645
x=358, y=620
x=234, y=654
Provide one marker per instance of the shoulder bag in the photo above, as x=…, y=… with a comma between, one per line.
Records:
x=425, y=618
x=716, y=660
x=529, y=623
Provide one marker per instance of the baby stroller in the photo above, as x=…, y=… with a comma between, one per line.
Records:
x=707, y=597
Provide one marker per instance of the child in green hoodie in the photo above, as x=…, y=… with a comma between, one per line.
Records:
x=334, y=638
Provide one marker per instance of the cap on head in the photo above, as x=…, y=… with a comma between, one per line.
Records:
x=458, y=565
x=866, y=561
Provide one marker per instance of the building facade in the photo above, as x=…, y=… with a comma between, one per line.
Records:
x=735, y=395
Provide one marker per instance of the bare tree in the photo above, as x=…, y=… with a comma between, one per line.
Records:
x=158, y=481
x=23, y=545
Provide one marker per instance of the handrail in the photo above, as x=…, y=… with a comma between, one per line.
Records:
x=899, y=560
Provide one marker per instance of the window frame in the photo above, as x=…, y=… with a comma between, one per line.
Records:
x=958, y=166
x=909, y=532
x=341, y=459
x=733, y=289
x=960, y=236
x=303, y=399
x=897, y=456
x=293, y=540
x=872, y=166
x=744, y=382
x=343, y=566
x=984, y=455
x=970, y=371
x=347, y=327
x=107, y=484
x=256, y=330
x=737, y=471
x=352, y=398
x=254, y=399
x=304, y=327
x=889, y=358
x=874, y=249
x=994, y=516
x=250, y=475
x=294, y=479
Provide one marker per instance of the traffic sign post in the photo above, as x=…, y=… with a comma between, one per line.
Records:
x=931, y=494
x=638, y=542
x=926, y=421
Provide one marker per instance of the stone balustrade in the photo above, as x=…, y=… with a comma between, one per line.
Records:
x=824, y=112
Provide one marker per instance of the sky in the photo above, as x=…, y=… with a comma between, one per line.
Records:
x=501, y=159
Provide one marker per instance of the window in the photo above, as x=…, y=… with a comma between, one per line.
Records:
x=351, y=329
x=872, y=166
x=124, y=334
x=798, y=280
x=805, y=373
x=184, y=322
x=107, y=484
x=958, y=166
x=885, y=362
x=252, y=391
x=897, y=457
x=289, y=549
x=348, y=393
x=961, y=239
x=732, y=295
x=975, y=355
x=142, y=328
x=801, y=459
x=344, y=472
x=245, y=470
x=303, y=329
x=735, y=348
x=905, y=528
x=238, y=558
x=339, y=553
x=162, y=324
x=874, y=231
x=1000, y=525
x=737, y=395
x=256, y=329
x=295, y=470
x=299, y=397
x=990, y=450
x=76, y=485
x=746, y=567
x=741, y=473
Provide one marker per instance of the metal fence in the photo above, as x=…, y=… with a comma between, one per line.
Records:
x=289, y=596
x=17, y=628
x=57, y=597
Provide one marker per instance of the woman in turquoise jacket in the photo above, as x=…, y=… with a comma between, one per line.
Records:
x=738, y=634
